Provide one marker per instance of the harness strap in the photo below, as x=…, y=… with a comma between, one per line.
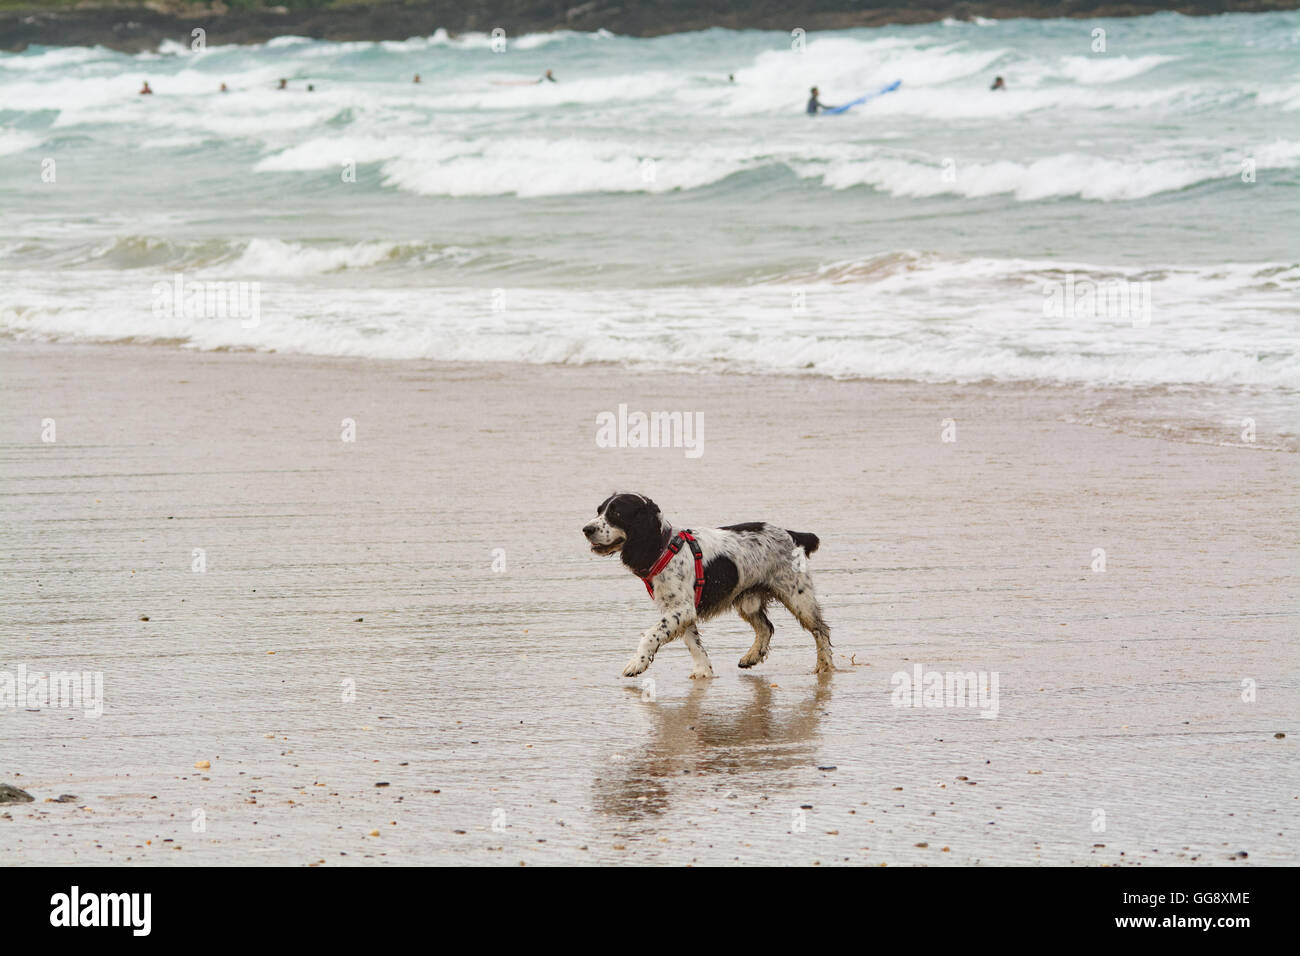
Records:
x=670, y=552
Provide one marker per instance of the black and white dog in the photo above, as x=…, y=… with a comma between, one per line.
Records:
x=695, y=575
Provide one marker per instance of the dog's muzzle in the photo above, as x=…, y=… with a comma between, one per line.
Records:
x=602, y=537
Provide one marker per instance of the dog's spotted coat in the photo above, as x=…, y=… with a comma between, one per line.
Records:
x=746, y=566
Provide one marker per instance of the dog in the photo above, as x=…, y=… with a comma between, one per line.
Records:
x=695, y=575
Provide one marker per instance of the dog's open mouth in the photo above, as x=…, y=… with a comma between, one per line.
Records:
x=607, y=548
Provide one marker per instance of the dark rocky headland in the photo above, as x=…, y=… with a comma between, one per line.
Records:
x=137, y=27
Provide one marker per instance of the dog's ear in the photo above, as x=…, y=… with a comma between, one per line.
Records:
x=643, y=525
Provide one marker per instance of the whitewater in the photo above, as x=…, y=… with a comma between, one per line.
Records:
x=667, y=203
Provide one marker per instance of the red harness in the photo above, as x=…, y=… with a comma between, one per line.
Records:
x=670, y=552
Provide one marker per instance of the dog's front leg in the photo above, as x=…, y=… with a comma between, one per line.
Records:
x=669, y=628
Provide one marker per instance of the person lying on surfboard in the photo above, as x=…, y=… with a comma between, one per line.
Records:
x=814, y=104
x=548, y=76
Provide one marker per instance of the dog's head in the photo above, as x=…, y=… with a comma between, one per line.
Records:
x=625, y=521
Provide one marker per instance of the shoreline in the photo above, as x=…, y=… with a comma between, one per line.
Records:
x=1184, y=413
x=133, y=28
x=351, y=679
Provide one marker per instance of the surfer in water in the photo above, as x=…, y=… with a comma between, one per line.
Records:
x=998, y=84
x=146, y=90
x=547, y=77
x=815, y=104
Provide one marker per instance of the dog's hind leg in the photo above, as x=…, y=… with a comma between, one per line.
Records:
x=703, y=669
x=801, y=601
x=751, y=607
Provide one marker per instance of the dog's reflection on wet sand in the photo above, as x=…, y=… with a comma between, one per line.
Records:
x=697, y=736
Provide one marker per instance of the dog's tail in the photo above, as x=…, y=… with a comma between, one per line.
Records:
x=805, y=539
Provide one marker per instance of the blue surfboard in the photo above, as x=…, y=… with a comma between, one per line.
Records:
x=862, y=99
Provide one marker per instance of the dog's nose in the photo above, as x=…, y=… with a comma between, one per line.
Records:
x=589, y=530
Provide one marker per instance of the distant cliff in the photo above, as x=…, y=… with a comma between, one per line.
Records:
x=137, y=27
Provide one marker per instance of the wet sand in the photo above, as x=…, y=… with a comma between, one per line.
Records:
x=489, y=701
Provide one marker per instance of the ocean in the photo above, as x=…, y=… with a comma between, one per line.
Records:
x=1123, y=214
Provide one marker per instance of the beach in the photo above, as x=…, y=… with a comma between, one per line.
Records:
x=397, y=648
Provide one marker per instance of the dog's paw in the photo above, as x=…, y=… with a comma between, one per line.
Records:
x=750, y=660
x=636, y=665
x=705, y=674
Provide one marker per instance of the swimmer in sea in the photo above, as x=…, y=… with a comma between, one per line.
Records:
x=815, y=104
x=998, y=84
x=146, y=90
